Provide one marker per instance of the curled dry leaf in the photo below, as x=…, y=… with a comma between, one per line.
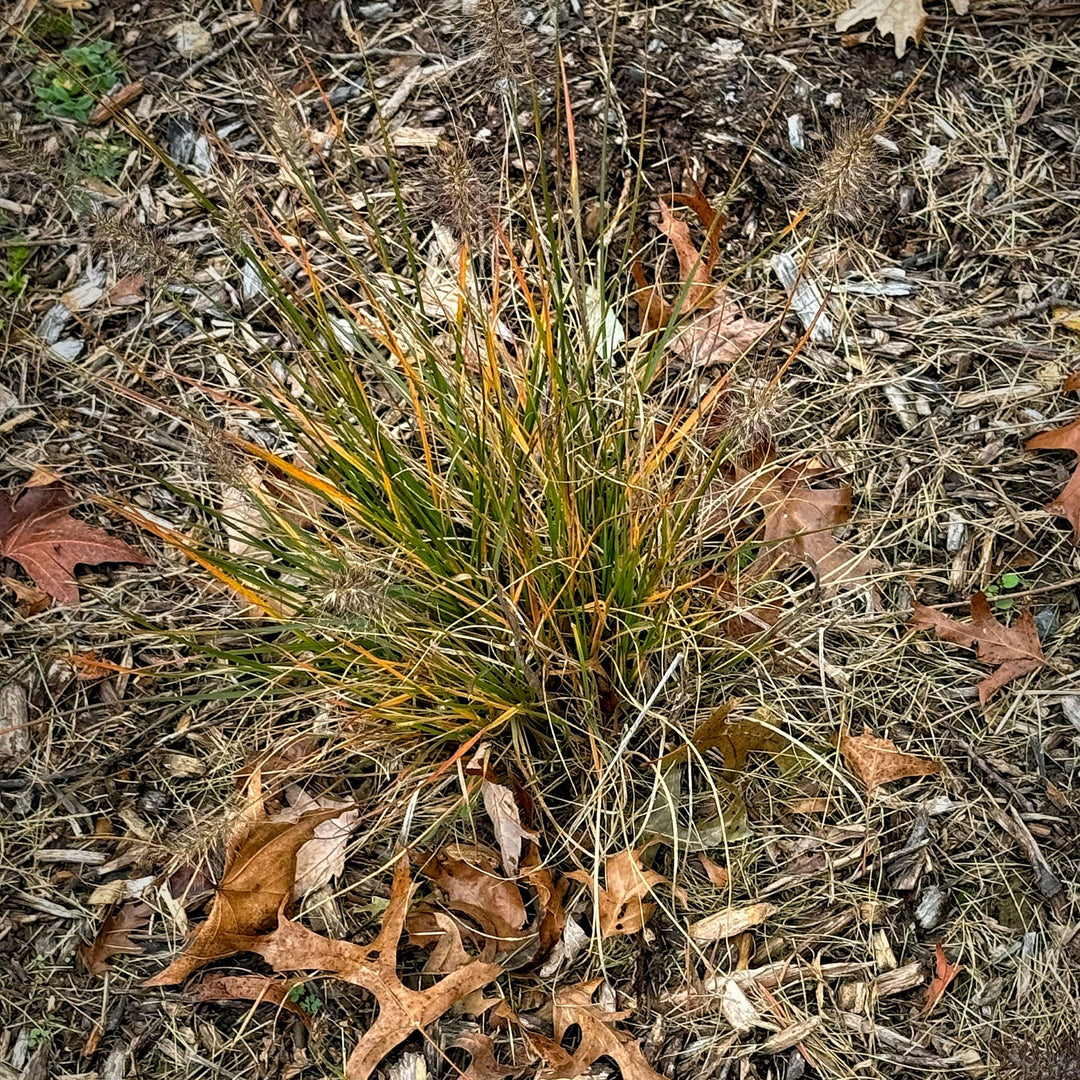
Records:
x=402, y=1010
x=502, y=809
x=257, y=988
x=730, y=921
x=1067, y=504
x=484, y=1065
x=260, y=872
x=1014, y=650
x=574, y=1006
x=799, y=521
x=114, y=938
x=877, y=761
x=39, y=533
x=719, y=333
x=944, y=973
x=322, y=858
x=902, y=18
x=621, y=904
x=469, y=880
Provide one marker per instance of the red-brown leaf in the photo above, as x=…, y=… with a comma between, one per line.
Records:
x=39, y=533
x=878, y=761
x=257, y=988
x=1014, y=650
x=944, y=973
x=1067, y=504
x=114, y=938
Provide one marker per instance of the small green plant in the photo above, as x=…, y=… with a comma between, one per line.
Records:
x=304, y=996
x=100, y=160
x=15, y=279
x=53, y=26
x=1005, y=584
x=72, y=87
x=38, y=1034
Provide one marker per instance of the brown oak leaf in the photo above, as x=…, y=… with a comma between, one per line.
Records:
x=1067, y=504
x=114, y=938
x=402, y=1010
x=878, y=761
x=621, y=903
x=322, y=858
x=257, y=988
x=575, y=1006
x=799, y=521
x=902, y=18
x=39, y=533
x=258, y=881
x=468, y=877
x=1014, y=650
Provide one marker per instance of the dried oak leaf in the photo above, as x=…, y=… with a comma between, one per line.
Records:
x=877, y=761
x=621, y=904
x=902, y=18
x=484, y=1065
x=114, y=938
x=258, y=881
x=467, y=876
x=402, y=1010
x=39, y=533
x=322, y=858
x=735, y=739
x=258, y=988
x=799, y=520
x=719, y=333
x=574, y=1006
x=944, y=973
x=1067, y=504
x=1013, y=650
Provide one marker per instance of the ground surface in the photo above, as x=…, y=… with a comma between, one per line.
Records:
x=923, y=401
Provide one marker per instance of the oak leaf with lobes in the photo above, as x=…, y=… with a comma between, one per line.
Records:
x=1067, y=504
x=622, y=907
x=877, y=761
x=258, y=881
x=902, y=18
x=1014, y=650
x=38, y=532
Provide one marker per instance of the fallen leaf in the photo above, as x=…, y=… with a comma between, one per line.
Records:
x=944, y=973
x=114, y=938
x=258, y=880
x=799, y=520
x=1067, y=316
x=258, y=988
x=730, y=921
x=1014, y=650
x=621, y=904
x=549, y=901
x=481, y=1050
x=502, y=809
x=322, y=858
x=718, y=336
x=116, y=100
x=736, y=740
x=902, y=18
x=1072, y=382
x=402, y=1010
x=717, y=874
x=574, y=1006
x=38, y=532
x=878, y=761
x=469, y=880
x=1067, y=504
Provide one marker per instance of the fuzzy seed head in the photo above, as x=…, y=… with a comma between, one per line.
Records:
x=1056, y=1059
x=137, y=246
x=500, y=43
x=221, y=461
x=358, y=593
x=846, y=180
x=459, y=194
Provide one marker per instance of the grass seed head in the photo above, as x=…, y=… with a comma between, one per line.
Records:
x=500, y=44
x=357, y=593
x=846, y=181
x=136, y=245
x=1055, y=1059
x=458, y=193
